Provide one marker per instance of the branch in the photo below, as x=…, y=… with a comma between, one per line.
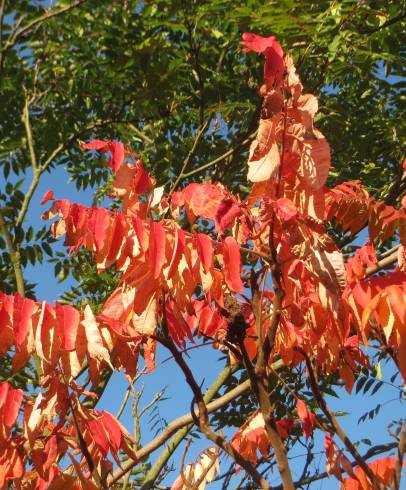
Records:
x=17, y=34
x=2, y=5
x=187, y=420
x=320, y=476
x=388, y=23
x=221, y=157
x=163, y=458
x=190, y=155
x=30, y=141
x=390, y=259
x=14, y=256
x=203, y=421
x=336, y=426
x=42, y=167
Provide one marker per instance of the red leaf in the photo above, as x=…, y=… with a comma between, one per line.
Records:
x=232, y=264
x=99, y=435
x=274, y=63
x=117, y=155
x=10, y=403
x=315, y=160
x=68, y=319
x=23, y=310
x=119, y=224
x=96, y=145
x=47, y=197
x=142, y=181
x=98, y=224
x=306, y=417
x=156, y=250
x=383, y=468
x=205, y=251
x=285, y=209
x=203, y=199
x=226, y=214
x=113, y=430
x=259, y=44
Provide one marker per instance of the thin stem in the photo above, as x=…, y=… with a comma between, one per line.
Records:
x=17, y=34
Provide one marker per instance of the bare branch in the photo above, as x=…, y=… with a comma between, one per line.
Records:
x=203, y=420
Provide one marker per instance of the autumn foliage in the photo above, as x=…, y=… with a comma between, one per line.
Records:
x=265, y=279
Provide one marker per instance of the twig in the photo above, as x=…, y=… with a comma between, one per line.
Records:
x=140, y=133
x=2, y=5
x=18, y=33
x=181, y=433
x=124, y=403
x=182, y=463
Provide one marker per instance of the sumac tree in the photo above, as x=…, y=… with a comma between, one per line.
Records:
x=261, y=276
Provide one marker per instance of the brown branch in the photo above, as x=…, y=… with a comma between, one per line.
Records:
x=14, y=256
x=2, y=6
x=336, y=426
